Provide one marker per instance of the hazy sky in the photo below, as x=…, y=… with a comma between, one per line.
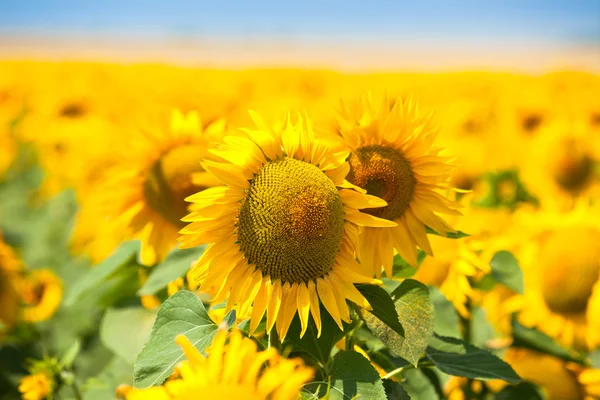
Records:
x=473, y=20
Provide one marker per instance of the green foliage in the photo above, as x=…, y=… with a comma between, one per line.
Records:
x=353, y=375
x=417, y=315
x=175, y=265
x=383, y=309
x=124, y=256
x=536, y=340
x=449, y=235
x=455, y=357
x=446, y=317
x=402, y=270
x=395, y=390
x=522, y=391
x=181, y=314
x=409, y=308
x=497, y=195
x=506, y=270
x=125, y=330
x=310, y=346
x=418, y=386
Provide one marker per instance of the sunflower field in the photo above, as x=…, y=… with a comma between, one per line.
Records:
x=184, y=233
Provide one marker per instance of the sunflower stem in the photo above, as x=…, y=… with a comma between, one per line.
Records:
x=467, y=331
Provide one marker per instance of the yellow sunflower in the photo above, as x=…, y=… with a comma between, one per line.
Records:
x=36, y=386
x=41, y=292
x=459, y=263
x=283, y=229
x=392, y=157
x=10, y=278
x=561, y=265
x=562, y=166
x=233, y=369
x=142, y=197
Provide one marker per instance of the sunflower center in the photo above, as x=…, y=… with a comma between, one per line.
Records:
x=384, y=172
x=291, y=223
x=72, y=110
x=570, y=259
x=573, y=169
x=169, y=182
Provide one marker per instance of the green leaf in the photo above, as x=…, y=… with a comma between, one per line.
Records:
x=534, y=339
x=353, y=375
x=446, y=317
x=123, y=256
x=506, y=270
x=418, y=386
x=382, y=307
x=317, y=348
x=449, y=235
x=182, y=313
x=522, y=391
x=395, y=390
x=595, y=359
x=417, y=316
x=402, y=269
x=117, y=334
x=67, y=359
x=455, y=357
x=177, y=263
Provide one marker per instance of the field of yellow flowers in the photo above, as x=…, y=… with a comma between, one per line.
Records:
x=178, y=233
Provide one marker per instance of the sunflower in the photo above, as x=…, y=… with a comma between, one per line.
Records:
x=392, y=157
x=561, y=265
x=553, y=375
x=142, y=197
x=562, y=166
x=41, y=292
x=10, y=278
x=36, y=386
x=233, y=369
x=283, y=229
x=460, y=263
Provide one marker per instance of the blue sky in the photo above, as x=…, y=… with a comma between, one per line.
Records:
x=469, y=20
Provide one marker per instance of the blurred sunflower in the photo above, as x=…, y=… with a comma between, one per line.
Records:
x=392, y=157
x=233, y=369
x=10, y=280
x=459, y=264
x=67, y=122
x=142, y=196
x=562, y=166
x=561, y=265
x=36, y=386
x=283, y=229
x=41, y=292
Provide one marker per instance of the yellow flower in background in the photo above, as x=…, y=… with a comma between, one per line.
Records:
x=142, y=196
x=551, y=374
x=589, y=380
x=459, y=263
x=35, y=387
x=10, y=280
x=562, y=166
x=392, y=157
x=234, y=368
x=41, y=293
x=283, y=230
x=561, y=265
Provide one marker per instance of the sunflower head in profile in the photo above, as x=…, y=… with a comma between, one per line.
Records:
x=143, y=195
x=234, y=368
x=392, y=157
x=282, y=230
x=561, y=265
